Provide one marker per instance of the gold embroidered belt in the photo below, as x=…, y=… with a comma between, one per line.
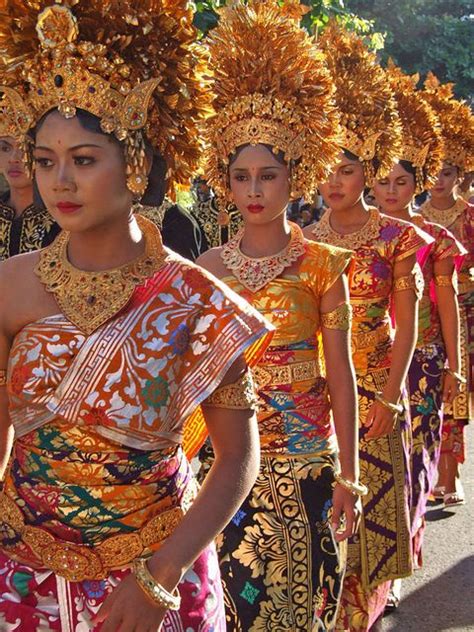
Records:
x=286, y=374
x=79, y=562
x=369, y=339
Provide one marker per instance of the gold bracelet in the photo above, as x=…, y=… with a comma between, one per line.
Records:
x=396, y=409
x=155, y=591
x=413, y=281
x=239, y=395
x=338, y=318
x=356, y=488
x=447, y=280
x=3, y=378
x=457, y=376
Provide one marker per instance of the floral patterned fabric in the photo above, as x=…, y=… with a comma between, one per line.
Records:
x=99, y=423
x=282, y=569
x=39, y=601
x=381, y=551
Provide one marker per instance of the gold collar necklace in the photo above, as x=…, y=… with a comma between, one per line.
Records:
x=90, y=299
x=256, y=273
x=445, y=217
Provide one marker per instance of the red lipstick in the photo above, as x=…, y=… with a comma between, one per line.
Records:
x=68, y=207
x=255, y=208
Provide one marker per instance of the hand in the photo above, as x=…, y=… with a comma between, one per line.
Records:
x=380, y=421
x=348, y=505
x=450, y=388
x=128, y=609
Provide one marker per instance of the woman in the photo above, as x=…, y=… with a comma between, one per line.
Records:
x=446, y=208
x=281, y=556
x=112, y=349
x=23, y=226
x=430, y=383
x=384, y=271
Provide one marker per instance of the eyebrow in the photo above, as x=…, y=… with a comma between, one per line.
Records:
x=261, y=168
x=75, y=148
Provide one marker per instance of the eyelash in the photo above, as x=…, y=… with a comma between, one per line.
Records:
x=264, y=177
x=80, y=161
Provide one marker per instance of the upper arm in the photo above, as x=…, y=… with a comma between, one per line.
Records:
x=405, y=301
x=211, y=261
x=444, y=266
x=5, y=340
x=338, y=293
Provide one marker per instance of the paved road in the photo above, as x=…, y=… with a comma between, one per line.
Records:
x=441, y=595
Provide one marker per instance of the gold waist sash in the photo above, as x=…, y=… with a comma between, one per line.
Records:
x=79, y=562
x=370, y=339
x=286, y=374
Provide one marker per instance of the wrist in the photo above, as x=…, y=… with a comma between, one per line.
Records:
x=165, y=572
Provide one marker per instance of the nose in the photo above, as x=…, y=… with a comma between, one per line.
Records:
x=254, y=187
x=16, y=156
x=64, y=178
x=334, y=178
x=391, y=186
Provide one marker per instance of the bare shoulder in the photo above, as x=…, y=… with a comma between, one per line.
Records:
x=211, y=260
x=18, y=271
x=308, y=232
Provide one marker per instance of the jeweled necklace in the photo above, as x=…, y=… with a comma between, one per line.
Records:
x=445, y=217
x=256, y=273
x=90, y=299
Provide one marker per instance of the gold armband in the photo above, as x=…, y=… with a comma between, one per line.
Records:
x=447, y=280
x=239, y=395
x=413, y=281
x=3, y=378
x=155, y=591
x=338, y=318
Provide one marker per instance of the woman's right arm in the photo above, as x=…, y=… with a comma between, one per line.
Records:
x=6, y=427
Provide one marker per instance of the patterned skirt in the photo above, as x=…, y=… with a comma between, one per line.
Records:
x=281, y=567
x=40, y=601
x=425, y=383
x=458, y=415
x=381, y=550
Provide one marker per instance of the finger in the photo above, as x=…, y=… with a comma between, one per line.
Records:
x=348, y=531
x=336, y=514
x=369, y=420
x=104, y=610
x=112, y=623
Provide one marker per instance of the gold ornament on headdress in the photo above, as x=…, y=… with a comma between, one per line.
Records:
x=133, y=65
x=371, y=127
x=269, y=86
x=422, y=140
x=14, y=115
x=457, y=123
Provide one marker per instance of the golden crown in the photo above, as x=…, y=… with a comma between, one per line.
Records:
x=261, y=94
x=457, y=123
x=422, y=140
x=133, y=65
x=371, y=126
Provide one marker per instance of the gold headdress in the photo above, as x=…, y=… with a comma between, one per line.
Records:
x=457, y=123
x=269, y=86
x=13, y=117
x=132, y=64
x=371, y=126
x=422, y=140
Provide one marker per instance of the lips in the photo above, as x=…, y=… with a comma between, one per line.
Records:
x=68, y=207
x=336, y=196
x=15, y=173
x=391, y=201
x=255, y=208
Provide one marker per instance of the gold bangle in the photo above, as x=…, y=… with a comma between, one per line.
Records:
x=356, y=488
x=239, y=395
x=457, y=376
x=447, y=280
x=396, y=409
x=155, y=591
x=413, y=281
x=3, y=378
x=338, y=318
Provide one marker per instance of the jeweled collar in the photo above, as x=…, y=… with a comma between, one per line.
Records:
x=323, y=231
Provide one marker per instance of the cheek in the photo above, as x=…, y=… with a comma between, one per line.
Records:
x=355, y=184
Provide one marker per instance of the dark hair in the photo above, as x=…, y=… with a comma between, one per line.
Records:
x=349, y=155
x=408, y=167
x=156, y=189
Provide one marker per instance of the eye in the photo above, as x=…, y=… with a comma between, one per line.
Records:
x=268, y=176
x=347, y=171
x=5, y=148
x=383, y=183
x=43, y=163
x=83, y=161
x=240, y=178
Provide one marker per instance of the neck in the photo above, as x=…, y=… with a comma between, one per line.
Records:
x=405, y=213
x=20, y=199
x=106, y=247
x=351, y=218
x=264, y=240
x=443, y=203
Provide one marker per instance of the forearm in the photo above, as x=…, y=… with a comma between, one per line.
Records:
x=224, y=489
x=344, y=409
x=448, y=310
x=6, y=443
x=402, y=353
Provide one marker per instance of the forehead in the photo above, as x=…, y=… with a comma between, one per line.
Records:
x=57, y=131
x=256, y=157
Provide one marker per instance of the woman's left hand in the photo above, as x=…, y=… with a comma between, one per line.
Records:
x=128, y=609
x=348, y=505
x=450, y=388
x=380, y=420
